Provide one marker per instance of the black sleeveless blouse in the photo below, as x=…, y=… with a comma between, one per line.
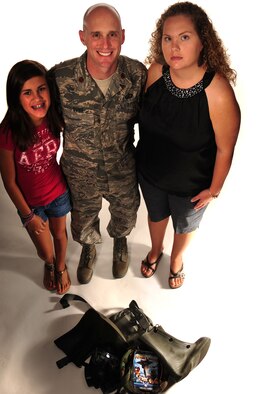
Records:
x=177, y=149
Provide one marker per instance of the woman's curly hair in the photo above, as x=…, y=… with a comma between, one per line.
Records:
x=213, y=54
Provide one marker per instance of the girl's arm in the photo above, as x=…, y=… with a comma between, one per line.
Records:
x=8, y=173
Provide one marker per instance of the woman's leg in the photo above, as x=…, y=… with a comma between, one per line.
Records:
x=157, y=233
x=59, y=233
x=186, y=221
x=181, y=242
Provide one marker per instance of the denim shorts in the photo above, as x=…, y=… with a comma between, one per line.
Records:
x=56, y=209
x=161, y=204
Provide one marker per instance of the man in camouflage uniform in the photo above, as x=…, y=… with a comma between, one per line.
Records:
x=100, y=94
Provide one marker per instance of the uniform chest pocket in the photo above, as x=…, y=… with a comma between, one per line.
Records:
x=127, y=108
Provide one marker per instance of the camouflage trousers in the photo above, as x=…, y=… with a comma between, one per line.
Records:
x=87, y=193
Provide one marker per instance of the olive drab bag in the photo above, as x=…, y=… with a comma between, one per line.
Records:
x=126, y=352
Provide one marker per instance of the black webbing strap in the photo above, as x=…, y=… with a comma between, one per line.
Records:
x=63, y=362
x=140, y=317
x=64, y=301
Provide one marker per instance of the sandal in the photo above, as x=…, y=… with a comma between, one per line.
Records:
x=148, y=265
x=176, y=275
x=49, y=277
x=61, y=289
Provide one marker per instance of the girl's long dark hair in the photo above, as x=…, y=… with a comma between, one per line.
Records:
x=16, y=119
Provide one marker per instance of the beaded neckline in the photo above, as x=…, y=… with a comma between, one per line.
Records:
x=182, y=93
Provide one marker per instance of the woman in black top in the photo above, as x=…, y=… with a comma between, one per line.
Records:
x=188, y=126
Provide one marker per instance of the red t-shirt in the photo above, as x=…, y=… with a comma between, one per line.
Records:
x=38, y=173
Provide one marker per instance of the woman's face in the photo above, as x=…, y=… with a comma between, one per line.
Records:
x=181, y=44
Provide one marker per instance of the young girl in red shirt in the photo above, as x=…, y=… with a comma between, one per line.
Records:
x=32, y=177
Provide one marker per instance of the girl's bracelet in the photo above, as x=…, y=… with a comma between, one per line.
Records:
x=27, y=219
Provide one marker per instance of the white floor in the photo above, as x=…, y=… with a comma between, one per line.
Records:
x=220, y=299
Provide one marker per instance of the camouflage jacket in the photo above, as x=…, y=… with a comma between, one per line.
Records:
x=99, y=128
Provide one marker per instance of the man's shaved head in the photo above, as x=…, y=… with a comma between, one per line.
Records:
x=100, y=5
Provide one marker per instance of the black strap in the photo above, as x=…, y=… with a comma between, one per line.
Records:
x=63, y=362
x=64, y=301
x=141, y=318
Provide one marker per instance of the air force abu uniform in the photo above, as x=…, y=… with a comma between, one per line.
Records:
x=98, y=156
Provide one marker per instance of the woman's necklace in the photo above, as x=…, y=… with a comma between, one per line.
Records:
x=179, y=92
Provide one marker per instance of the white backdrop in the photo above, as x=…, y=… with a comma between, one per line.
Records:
x=221, y=297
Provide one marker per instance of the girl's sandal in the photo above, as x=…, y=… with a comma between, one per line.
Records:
x=149, y=266
x=61, y=288
x=176, y=275
x=49, y=281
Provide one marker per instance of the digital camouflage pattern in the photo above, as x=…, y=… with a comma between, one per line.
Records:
x=98, y=154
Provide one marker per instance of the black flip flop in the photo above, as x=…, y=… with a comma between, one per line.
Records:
x=148, y=265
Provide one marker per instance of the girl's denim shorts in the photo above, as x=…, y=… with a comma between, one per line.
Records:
x=56, y=209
